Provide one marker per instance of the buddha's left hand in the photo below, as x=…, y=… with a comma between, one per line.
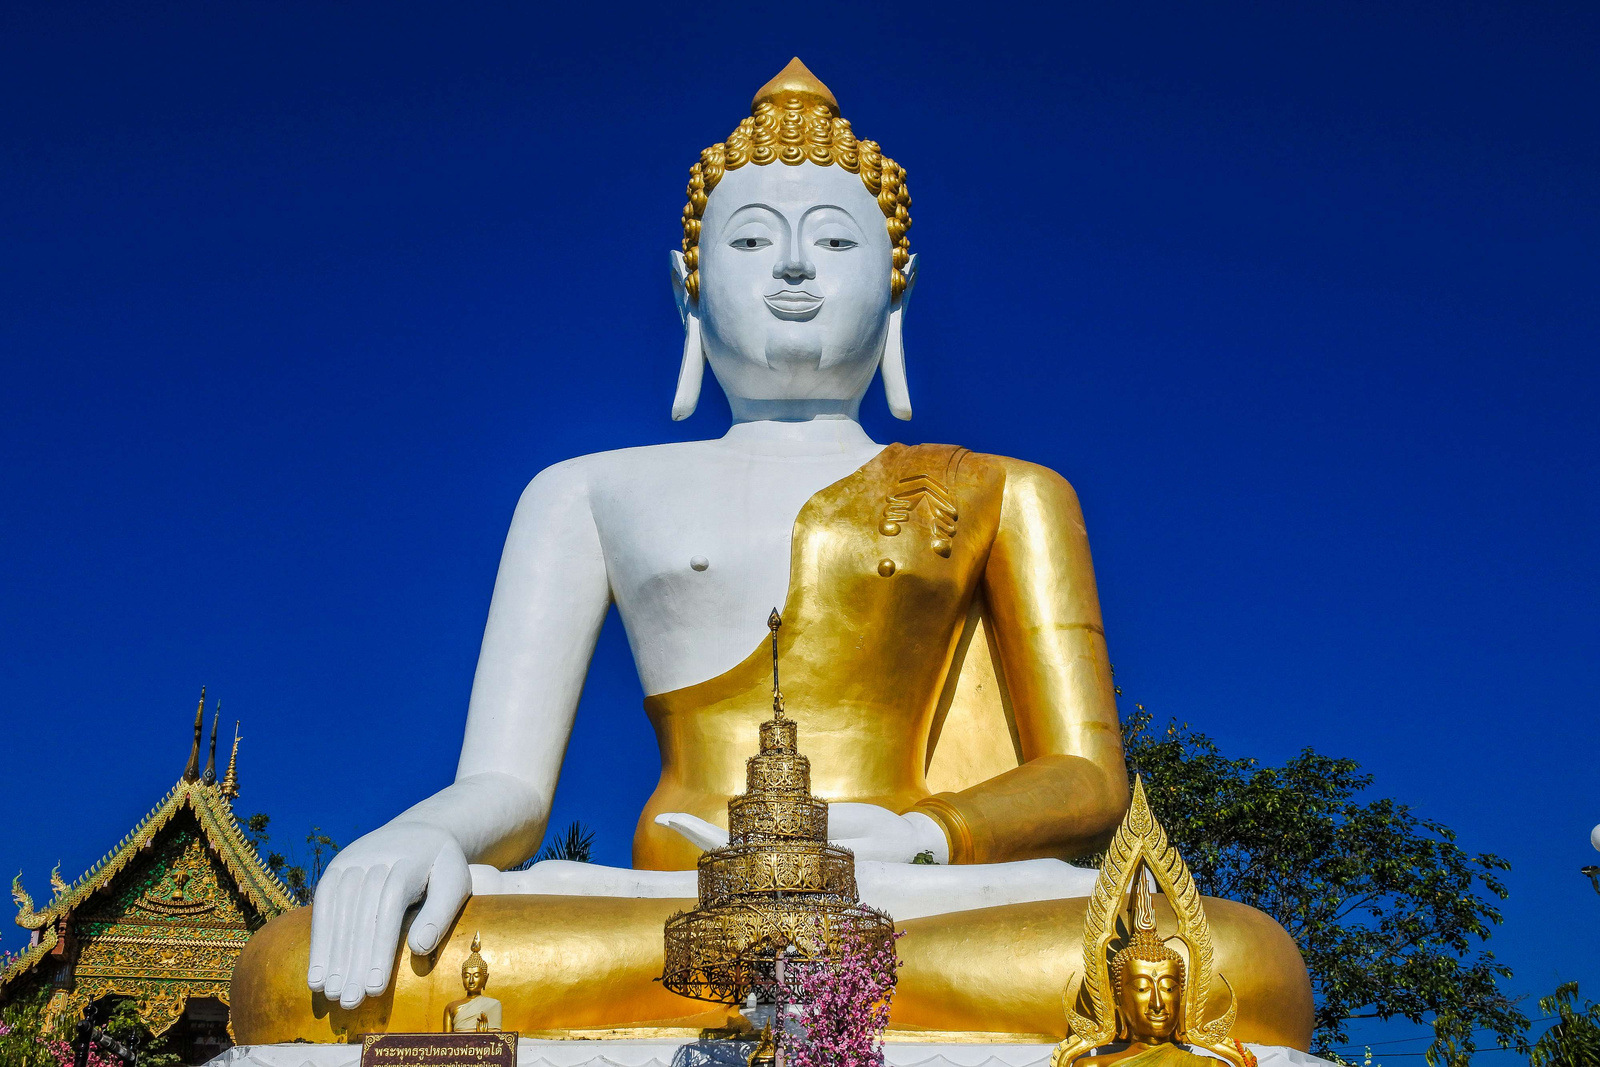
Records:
x=870, y=831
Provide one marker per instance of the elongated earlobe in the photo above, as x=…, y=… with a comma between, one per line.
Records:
x=692, y=372
x=693, y=368
x=893, y=365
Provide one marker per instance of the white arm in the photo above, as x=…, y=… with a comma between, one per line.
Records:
x=550, y=600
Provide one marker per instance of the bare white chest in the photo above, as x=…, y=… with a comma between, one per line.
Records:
x=696, y=541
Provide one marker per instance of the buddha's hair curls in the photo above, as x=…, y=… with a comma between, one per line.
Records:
x=790, y=128
x=1147, y=951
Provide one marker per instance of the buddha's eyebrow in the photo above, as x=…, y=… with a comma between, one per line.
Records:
x=829, y=207
x=741, y=210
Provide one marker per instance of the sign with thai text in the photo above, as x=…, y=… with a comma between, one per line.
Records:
x=496, y=1048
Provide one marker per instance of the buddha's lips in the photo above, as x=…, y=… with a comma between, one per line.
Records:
x=797, y=305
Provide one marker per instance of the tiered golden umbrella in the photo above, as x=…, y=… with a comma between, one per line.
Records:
x=777, y=883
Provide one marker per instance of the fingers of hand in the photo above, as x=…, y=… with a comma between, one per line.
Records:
x=698, y=831
x=363, y=926
x=449, y=886
x=323, y=920
x=854, y=821
x=927, y=836
x=870, y=848
x=849, y=820
x=347, y=897
x=399, y=892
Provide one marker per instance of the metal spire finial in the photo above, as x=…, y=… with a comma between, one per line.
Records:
x=774, y=621
x=230, y=779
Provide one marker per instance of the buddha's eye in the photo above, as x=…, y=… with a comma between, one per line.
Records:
x=835, y=243
x=746, y=244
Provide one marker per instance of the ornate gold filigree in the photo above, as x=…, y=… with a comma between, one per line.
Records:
x=794, y=118
x=778, y=882
x=24, y=902
x=1141, y=845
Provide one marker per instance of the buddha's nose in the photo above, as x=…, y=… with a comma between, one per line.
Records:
x=794, y=267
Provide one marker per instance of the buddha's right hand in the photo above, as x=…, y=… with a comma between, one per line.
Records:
x=361, y=902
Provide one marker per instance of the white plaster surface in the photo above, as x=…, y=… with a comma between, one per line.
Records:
x=623, y=1053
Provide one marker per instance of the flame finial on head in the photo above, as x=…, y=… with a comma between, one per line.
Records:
x=795, y=79
x=474, y=959
x=1144, y=912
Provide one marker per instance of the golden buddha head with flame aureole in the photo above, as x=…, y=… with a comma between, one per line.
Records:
x=1146, y=993
x=1146, y=977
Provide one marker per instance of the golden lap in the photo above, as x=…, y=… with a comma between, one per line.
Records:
x=590, y=963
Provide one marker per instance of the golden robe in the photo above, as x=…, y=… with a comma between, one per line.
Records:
x=1164, y=1055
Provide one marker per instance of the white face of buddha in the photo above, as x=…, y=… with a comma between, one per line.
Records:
x=794, y=287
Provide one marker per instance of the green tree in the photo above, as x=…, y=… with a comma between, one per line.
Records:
x=1389, y=912
x=300, y=877
x=575, y=843
x=28, y=1040
x=23, y=1038
x=126, y=1026
x=1573, y=1040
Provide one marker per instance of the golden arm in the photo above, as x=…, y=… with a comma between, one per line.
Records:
x=1067, y=796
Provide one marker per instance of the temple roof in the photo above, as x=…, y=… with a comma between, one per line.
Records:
x=211, y=802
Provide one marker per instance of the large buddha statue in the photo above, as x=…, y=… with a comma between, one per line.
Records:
x=942, y=652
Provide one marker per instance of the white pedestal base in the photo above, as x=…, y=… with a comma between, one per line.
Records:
x=533, y=1052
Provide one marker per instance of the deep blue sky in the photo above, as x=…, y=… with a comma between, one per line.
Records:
x=296, y=297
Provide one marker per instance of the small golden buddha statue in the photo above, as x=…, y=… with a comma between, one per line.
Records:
x=475, y=1012
x=1147, y=979
x=1146, y=998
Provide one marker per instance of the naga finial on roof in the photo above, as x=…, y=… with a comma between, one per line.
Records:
x=191, y=773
